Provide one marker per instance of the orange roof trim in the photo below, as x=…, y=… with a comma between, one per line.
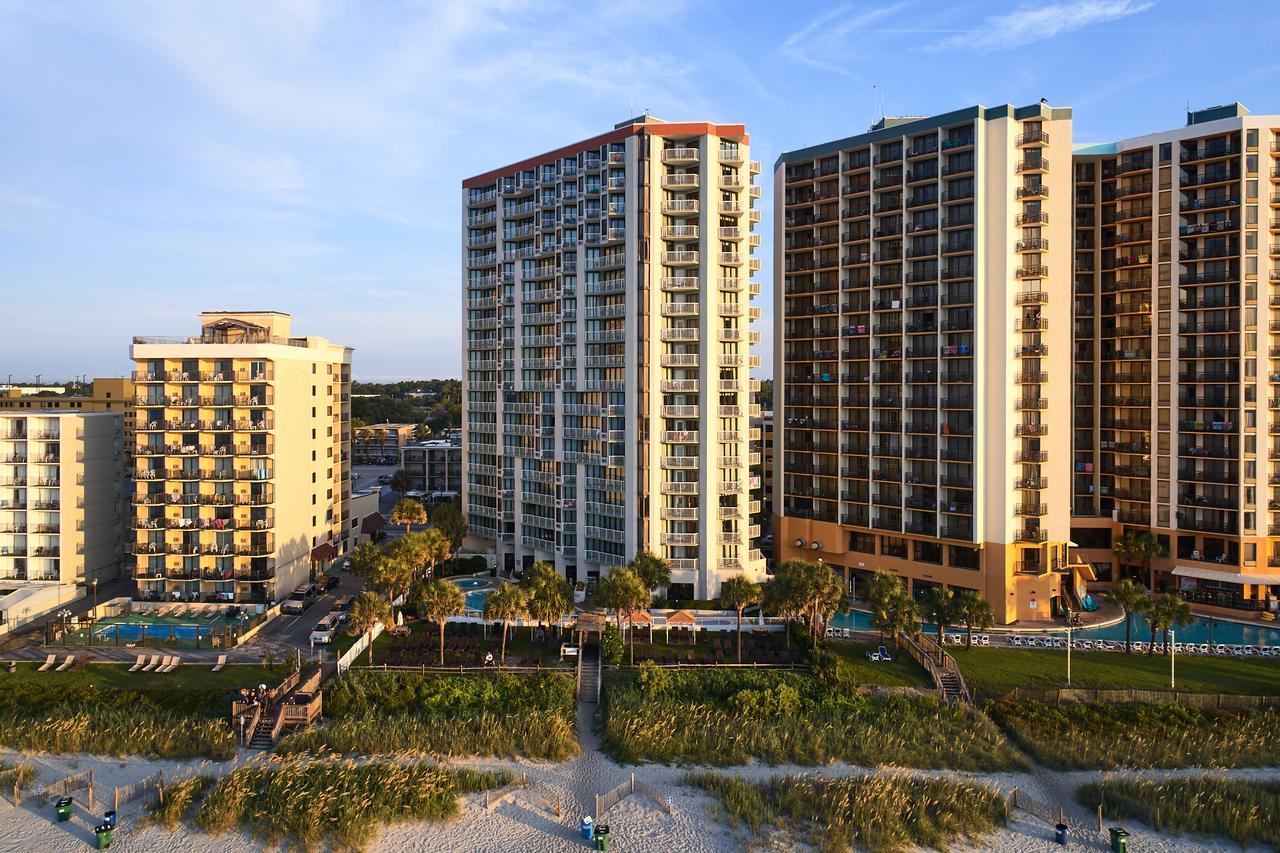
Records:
x=666, y=128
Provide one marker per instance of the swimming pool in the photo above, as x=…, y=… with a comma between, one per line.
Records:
x=477, y=591
x=1203, y=630
x=142, y=629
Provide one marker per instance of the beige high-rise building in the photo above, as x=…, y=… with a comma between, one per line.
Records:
x=606, y=354
x=243, y=470
x=61, y=508
x=1177, y=360
x=925, y=388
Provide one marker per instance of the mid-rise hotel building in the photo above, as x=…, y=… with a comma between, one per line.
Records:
x=925, y=384
x=606, y=356
x=243, y=471
x=61, y=508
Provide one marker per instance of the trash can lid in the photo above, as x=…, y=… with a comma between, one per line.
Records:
x=586, y=819
x=64, y=801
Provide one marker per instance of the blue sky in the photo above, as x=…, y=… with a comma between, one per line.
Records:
x=162, y=158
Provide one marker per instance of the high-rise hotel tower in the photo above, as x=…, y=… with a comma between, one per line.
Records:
x=925, y=391
x=606, y=354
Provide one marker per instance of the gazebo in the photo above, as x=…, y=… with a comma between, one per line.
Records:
x=640, y=618
x=682, y=619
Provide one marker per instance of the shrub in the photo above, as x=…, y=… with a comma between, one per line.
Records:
x=652, y=679
x=611, y=645
x=1140, y=735
x=1245, y=811
x=874, y=812
x=767, y=702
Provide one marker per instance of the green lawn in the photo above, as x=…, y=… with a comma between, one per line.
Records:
x=902, y=671
x=992, y=673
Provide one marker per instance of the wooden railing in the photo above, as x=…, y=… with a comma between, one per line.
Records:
x=935, y=660
x=251, y=713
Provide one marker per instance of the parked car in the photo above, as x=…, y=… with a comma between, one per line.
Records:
x=300, y=599
x=324, y=630
x=331, y=583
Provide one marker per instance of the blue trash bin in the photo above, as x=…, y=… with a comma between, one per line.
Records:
x=109, y=818
x=1060, y=833
x=588, y=828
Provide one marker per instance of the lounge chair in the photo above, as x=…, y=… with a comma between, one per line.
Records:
x=66, y=664
x=142, y=659
x=48, y=663
x=173, y=664
x=222, y=661
x=164, y=664
x=155, y=659
x=984, y=639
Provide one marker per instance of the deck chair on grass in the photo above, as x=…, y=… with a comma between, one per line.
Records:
x=142, y=659
x=222, y=661
x=155, y=660
x=48, y=663
x=66, y=664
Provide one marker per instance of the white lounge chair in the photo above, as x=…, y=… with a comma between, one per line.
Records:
x=174, y=662
x=1219, y=649
x=984, y=640
x=155, y=660
x=66, y=664
x=222, y=661
x=48, y=663
x=164, y=664
x=1016, y=640
x=142, y=659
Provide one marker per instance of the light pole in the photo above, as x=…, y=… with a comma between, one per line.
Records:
x=94, y=584
x=1173, y=635
x=1068, y=654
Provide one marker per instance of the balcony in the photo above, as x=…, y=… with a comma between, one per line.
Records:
x=680, y=155
x=680, y=181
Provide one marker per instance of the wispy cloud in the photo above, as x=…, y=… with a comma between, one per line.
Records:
x=826, y=36
x=1031, y=24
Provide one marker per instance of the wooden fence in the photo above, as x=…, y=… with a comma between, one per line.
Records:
x=610, y=798
x=1124, y=696
x=128, y=793
x=1019, y=799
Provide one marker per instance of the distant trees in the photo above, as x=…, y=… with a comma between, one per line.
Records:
x=811, y=592
x=435, y=403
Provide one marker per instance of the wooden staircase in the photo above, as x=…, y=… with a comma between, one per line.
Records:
x=261, y=739
x=942, y=667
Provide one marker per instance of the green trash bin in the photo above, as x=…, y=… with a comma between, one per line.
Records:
x=602, y=837
x=63, y=805
x=103, y=833
x=1119, y=840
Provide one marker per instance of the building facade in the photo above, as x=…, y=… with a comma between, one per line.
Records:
x=243, y=468
x=62, y=507
x=606, y=397
x=380, y=444
x=921, y=375
x=1177, y=396
x=105, y=395
x=434, y=468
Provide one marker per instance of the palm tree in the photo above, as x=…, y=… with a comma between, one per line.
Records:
x=435, y=547
x=904, y=614
x=504, y=604
x=974, y=611
x=1132, y=598
x=550, y=596
x=438, y=601
x=1168, y=612
x=365, y=613
x=405, y=557
x=880, y=592
x=624, y=591
x=1139, y=547
x=781, y=597
x=408, y=512
x=939, y=604
x=738, y=593
x=653, y=571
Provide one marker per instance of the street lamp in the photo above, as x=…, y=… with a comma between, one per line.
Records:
x=1173, y=636
x=1068, y=654
x=94, y=584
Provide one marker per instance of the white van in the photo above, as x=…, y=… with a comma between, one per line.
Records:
x=324, y=630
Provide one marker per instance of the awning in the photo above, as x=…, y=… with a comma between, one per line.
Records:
x=372, y=523
x=323, y=553
x=682, y=617
x=1224, y=577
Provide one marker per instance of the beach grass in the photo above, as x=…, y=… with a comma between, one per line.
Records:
x=492, y=714
x=105, y=710
x=875, y=812
x=992, y=673
x=1084, y=736
x=177, y=800
x=337, y=805
x=728, y=717
x=1245, y=811
x=15, y=775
